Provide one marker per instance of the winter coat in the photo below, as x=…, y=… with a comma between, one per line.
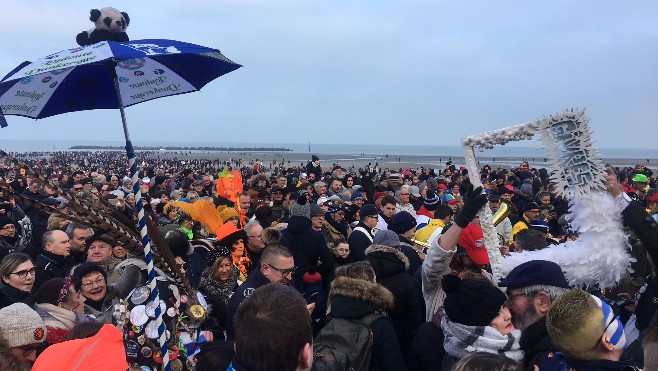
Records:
x=354, y=298
x=331, y=233
x=408, y=249
x=644, y=226
x=408, y=207
x=307, y=247
x=255, y=280
x=536, y=344
x=10, y=295
x=49, y=266
x=562, y=363
x=408, y=310
x=59, y=321
x=427, y=350
x=360, y=241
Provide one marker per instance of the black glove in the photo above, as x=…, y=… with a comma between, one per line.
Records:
x=473, y=202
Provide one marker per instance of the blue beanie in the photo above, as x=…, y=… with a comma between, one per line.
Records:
x=402, y=222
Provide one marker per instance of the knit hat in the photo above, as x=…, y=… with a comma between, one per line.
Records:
x=471, y=240
x=471, y=302
x=85, y=268
x=402, y=222
x=334, y=206
x=216, y=253
x=530, y=206
x=367, y=210
x=508, y=189
x=20, y=325
x=377, y=196
x=441, y=187
x=526, y=188
x=315, y=210
x=387, y=238
x=300, y=210
x=4, y=220
x=431, y=201
x=315, y=158
x=356, y=195
x=312, y=276
x=226, y=213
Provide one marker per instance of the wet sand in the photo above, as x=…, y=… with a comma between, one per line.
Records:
x=391, y=161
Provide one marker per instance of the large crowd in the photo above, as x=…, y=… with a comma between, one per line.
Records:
x=281, y=267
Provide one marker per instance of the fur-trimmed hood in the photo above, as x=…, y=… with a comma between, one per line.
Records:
x=253, y=181
x=363, y=290
x=373, y=249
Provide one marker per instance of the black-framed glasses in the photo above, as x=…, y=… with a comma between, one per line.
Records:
x=284, y=272
x=25, y=272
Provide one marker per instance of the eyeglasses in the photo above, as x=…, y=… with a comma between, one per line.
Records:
x=24, y=272
x=99, y=281
x=104, y=190
x=8, y=227
x=343, y=250
x=512, y=297
x=372, y=216
x=77, y=188
x=284, y=272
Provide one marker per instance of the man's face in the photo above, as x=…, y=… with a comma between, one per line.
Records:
x=280, y=270
x=358, y=202
x=255, y=236
x=494, y=206
x=404, y=195
x=532, y=214
x=522, y=307
x=388, y=210
x=99, y=252
x=277, y=195
x=317, y=221
x=245, y=202
x=320, y=189
x=282, y=182
x=9, y=230
x=78, y=240
x=336, y=185
x=77, y=178
x=311, y=178
x=640, y=186
x=26, y=354
x=453, y=206
x=206, y=181
x=94, y=286
x=370, y=221
x=545, y=201
x=115, y=181
x=506, y=197
x=60, y=245
x=34, y=187
x=338, y=216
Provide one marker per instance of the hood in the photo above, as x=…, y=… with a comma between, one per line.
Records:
x=298, y=224
x=361, y=290
x=386, y=261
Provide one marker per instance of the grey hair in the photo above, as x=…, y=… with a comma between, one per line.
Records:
x=552, y=291
x=251, y=225
x=319, y=182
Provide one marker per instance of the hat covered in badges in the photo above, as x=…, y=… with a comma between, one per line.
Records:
x=334, y=206
x=471, y=240
x=535, y=272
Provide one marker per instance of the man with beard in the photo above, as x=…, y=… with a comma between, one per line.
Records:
x=530, y=213
x=531, y=289
x=335, y=226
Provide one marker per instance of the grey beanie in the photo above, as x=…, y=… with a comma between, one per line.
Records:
x=314, y=210
x=526, y=188
x=387, y=238
x=300, y=210
x=21, y=325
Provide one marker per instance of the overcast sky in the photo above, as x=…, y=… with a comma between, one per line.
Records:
x=393, y=72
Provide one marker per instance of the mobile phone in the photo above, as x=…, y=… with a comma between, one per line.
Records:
x=311, y=298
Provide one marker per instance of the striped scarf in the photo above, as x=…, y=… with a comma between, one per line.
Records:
x=461, y=340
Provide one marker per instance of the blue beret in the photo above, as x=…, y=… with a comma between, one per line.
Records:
x=535, y=272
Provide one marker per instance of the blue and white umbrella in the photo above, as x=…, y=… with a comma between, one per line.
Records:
x=113, y=75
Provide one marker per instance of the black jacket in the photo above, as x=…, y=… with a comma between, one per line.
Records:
x=536, y=344
x=307, y=246
x=359, y=242
x=408, y=310
x=644, y=226
x=427, y=352
x=49, y=266
x=255, y=280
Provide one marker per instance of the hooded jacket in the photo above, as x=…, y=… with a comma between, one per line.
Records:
x=307, y=246
x=355, y=298
x=408, y=310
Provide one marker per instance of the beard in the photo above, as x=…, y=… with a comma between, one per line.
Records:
x=522, y=320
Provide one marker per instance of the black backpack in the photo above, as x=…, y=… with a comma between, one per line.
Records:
x=345, y=344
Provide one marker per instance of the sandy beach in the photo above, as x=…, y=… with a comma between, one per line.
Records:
x=390, y=161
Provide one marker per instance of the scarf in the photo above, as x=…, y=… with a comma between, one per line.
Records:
x=461, y=340
x=14, y=294
x=220, y=290
x=340, y=227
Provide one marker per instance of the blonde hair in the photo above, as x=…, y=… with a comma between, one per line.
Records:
x=53, y=221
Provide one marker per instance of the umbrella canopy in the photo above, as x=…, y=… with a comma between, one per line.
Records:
x=82, y=78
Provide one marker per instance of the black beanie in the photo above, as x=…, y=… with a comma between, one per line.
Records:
x=83, y=269
x=315, y=158
x=4, y=220
x=471, y=302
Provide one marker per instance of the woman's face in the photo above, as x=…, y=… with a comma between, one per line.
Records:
x=8, y=230
x=343, y=250
x=503, y=322
x=131, y=200
x=224, y=270
x=14, y=278
x=172, y=214
x=74, y=301
x=119, y=252
x=238, y=248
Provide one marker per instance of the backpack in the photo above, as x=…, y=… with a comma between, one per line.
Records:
x=345, y=344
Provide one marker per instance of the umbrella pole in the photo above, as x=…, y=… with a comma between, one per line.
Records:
x=155, y=297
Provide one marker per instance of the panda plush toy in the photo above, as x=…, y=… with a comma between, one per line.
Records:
x=109, y=25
